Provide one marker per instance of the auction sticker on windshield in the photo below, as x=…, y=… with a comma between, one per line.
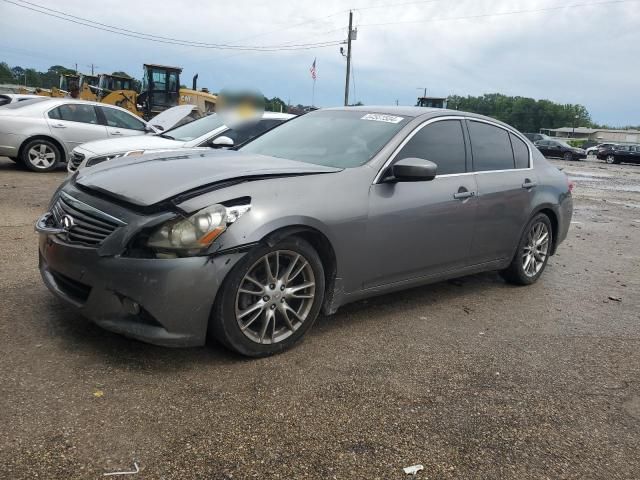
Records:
x=377, y=117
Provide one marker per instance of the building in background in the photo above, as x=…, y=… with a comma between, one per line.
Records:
x=595, y=135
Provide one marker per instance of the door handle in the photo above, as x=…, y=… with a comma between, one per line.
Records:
x=463, y=195
x=528, y=184
x=116, y=133
x=59, y=125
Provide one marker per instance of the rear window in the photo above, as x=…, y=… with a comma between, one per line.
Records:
x=520, y=152
x=491, y=147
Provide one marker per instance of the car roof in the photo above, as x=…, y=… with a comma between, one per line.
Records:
x=415, y=112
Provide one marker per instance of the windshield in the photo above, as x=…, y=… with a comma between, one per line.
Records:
x=334, y=138
x=195, y=129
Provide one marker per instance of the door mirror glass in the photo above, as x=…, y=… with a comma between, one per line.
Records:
x=221, y=141
x=414, y=170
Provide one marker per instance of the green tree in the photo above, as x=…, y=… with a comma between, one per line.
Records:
x=5, y=73
x=526, y=114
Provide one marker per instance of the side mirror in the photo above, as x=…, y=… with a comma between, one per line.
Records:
x=414, y=170
x=222, y=141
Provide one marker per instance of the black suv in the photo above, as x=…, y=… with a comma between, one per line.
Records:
x=620, y=153
x=556, y=148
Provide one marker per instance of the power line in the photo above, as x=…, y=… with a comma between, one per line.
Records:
x=166, y=40
x=498, y=14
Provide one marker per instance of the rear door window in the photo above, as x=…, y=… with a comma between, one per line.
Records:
x=440, y=142
x=490, y=146
x=520, y=152
x=75, y=112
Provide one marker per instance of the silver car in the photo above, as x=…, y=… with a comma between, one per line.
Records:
x=209, y=131
x=249, y=246
x=42, y=133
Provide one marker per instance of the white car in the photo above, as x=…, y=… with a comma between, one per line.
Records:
x=7, y=98
x=209, y=131
x=42, y=132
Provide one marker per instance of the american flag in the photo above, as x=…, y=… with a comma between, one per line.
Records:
x=313, y=69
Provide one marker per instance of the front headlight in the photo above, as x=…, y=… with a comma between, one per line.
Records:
x=196, y=233
x=96, y=160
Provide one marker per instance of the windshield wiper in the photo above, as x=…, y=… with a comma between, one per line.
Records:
x=164, y=135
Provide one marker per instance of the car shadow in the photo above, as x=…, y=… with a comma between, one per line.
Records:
x=78, y=333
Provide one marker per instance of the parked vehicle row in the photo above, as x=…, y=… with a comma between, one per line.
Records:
x=42, y=132
x=249, y=245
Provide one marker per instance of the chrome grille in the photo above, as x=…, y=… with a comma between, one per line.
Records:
x=75, y=161
x=83, y=223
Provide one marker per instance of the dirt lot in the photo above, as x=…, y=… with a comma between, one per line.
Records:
x=471, y=378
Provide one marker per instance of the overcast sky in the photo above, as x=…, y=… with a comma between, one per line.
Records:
x=586, y=55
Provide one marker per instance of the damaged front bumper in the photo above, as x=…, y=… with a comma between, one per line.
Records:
x=164, y=301
x=160, y=301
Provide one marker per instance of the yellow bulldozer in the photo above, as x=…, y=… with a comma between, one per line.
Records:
x=160, y=91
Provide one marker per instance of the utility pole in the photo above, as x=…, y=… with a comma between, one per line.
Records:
x=76, y=68
x=346, y=83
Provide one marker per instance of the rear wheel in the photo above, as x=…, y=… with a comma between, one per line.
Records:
x=568, y=156
x=532, y=254
x=41, y=155
x=270, y=299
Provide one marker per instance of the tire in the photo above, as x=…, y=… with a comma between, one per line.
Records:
x=611, y=160
x=521, y=271
x=568, y=156
x=269, y=332
x=41, y=155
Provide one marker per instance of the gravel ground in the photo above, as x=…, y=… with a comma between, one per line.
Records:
x=471, y=378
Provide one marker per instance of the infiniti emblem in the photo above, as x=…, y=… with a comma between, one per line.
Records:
x=67, y=222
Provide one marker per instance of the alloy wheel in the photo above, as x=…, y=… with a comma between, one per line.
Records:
x=275, y=297
x=536, y=249
x=41, y=156
x=611, y=159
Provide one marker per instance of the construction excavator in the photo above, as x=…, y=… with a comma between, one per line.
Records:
x=160, y=91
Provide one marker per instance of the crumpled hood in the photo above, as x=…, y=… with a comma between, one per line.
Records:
x=152, y=178
x=125, y=144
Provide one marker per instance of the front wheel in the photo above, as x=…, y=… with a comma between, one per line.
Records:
x=611, y=159
x=532, y=254
x=270, y=299
x=568, y=156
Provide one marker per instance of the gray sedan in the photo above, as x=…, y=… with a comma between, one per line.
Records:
x=249, y=246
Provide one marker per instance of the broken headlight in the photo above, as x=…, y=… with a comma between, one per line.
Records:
x=196, y=233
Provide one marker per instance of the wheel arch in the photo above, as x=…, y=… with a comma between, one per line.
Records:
x=321, y=243
x=57, y=143
x=553, y=218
